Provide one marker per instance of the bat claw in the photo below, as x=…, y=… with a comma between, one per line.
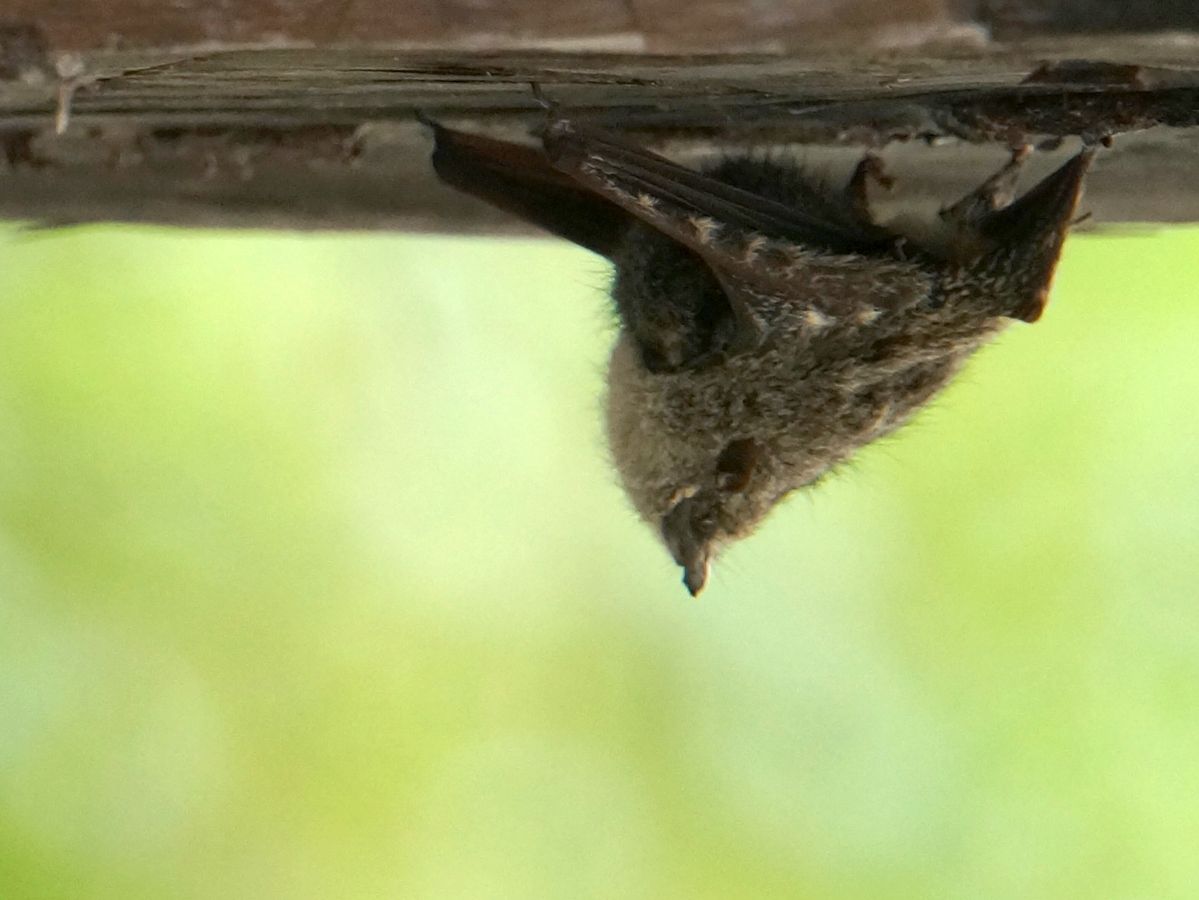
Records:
x=1103, y=139
x=871, y=168
x=425, y=119
x=542, y=100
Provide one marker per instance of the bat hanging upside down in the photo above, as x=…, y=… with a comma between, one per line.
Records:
x=769, y=325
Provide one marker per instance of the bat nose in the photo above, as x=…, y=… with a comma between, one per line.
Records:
x=695, y=576
x=689, y=543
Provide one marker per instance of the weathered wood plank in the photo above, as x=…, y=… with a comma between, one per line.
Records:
x=326, y=137
x=662, y=25
x=646, y=25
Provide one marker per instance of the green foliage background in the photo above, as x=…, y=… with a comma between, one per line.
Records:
x=315, y=582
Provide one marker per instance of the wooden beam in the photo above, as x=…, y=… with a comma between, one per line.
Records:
x=101, y=121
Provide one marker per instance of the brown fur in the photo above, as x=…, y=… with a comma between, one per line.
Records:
x=769, y=327
x=854, y=346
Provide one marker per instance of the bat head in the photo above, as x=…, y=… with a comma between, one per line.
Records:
x=699, y=467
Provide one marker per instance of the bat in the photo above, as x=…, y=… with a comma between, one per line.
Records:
x=769, y=325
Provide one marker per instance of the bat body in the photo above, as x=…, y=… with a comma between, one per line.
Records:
x=769, y=326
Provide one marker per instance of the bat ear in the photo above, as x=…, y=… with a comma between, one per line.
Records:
x=1025, y=239
x=736, y=464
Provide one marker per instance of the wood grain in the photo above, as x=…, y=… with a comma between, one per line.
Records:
x=161, y=113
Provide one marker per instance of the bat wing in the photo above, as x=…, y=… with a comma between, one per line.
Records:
x=752, y=243
x=626, y=175
x=520, y=180
x=588, y=185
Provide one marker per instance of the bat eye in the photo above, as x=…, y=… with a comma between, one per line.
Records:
x=654, y=360
x=735, y=465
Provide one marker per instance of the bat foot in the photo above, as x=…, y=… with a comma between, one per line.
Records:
x=871, y=168
x=995, y=193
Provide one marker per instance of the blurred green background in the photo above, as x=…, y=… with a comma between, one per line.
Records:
x=315, y=582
